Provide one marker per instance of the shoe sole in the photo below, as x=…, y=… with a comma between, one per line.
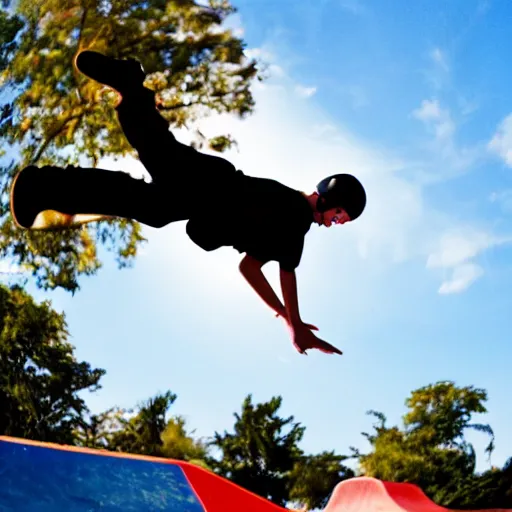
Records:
x=52, y=220
x=11, y=201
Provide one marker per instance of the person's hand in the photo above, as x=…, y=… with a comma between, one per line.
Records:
x=303, y=339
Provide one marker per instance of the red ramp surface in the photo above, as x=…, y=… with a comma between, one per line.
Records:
x=364, y=494
x=42, y=477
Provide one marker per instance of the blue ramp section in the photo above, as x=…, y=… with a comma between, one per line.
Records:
x=42, y=479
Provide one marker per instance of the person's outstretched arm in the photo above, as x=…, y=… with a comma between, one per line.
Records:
x=251, y=270
x=301, y=334
x=290, y=296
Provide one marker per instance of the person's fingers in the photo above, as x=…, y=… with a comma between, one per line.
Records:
x=328, y=348
x=333, y=350
x=300, y=350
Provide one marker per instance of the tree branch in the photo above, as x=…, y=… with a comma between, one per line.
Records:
x=124, y=49
x=181, y=105
x=82, y=24
x=54, y=134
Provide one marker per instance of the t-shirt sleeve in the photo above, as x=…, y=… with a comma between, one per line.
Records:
x=290, y=250
x=284, y=248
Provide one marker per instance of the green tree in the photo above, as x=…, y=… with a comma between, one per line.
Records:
x=441, y=412
x=10, y=26
x=141, y=433
x=53, y=115
x=40, y=379
x=490, y=490
x=430, y=450
x=314, y=477
x=262, y=451
x=179, y=443
x=146, y=431
x=96, y=430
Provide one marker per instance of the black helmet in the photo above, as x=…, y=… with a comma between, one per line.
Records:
x=341, y=191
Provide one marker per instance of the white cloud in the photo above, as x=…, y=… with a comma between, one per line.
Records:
x=447, y=156
x=235, y=23
x=455, y=254
x=437, y=73
x=434, y=116
x=259, y=53
x=439, y=57
x=501, y=143
x=462, y=277
x=456, y=248
x=429, y=111
x=305, y=92
x=267, y=61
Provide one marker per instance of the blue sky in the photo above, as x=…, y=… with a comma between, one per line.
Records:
x=412, y=97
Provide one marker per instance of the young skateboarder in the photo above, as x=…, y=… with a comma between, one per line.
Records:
x=261, y=218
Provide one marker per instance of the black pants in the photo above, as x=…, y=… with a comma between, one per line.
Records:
x=183, y=179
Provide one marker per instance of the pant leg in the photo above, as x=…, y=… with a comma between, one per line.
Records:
x=165, y=158
x=77, y=190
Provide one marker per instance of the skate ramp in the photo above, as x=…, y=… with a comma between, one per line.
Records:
x=364, y=494
x=42, y=477
x=37, y=477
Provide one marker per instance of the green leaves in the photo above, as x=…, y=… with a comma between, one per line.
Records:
x=39, y=377
x=147, y=431
x=314, y=477
x=9, y=29
x=142, y=433
x=431, y=450
x=56, y=116
x=178, y=443
x=262, y=451
x=262, y=454
x=445, y=411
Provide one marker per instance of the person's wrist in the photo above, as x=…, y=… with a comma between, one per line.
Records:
x=281, y=313
x=295, y=322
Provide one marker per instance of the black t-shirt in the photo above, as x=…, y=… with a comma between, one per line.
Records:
x=258, y=216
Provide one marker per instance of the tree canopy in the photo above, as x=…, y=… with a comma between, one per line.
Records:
x=149, y=429
x=52, y=115
x=431, y=450
x=262, y=454
x=261, y=451
x=40, y=378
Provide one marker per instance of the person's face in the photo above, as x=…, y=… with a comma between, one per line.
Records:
x=332, y=216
